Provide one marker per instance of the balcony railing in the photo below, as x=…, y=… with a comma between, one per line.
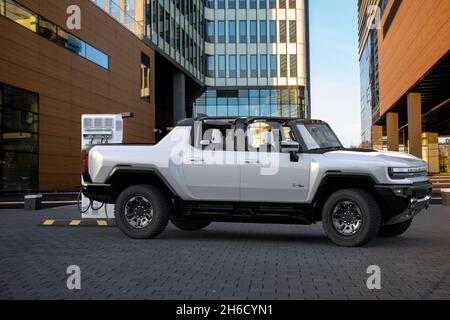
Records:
x=133, y=20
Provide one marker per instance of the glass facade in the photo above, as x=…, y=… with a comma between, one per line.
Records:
x=368, y=64
x=219, y=48
x=47, y=29
x=19, y=140
x=370, y=99
x=287, y=102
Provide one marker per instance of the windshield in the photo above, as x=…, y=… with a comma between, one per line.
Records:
x=318, y=136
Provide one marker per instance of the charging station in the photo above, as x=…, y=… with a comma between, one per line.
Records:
x=99, y=129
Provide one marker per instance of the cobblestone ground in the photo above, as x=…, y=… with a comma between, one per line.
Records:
x=225, y=261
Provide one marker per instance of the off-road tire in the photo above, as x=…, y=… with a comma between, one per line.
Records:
x=159, y=204
x=369, y=212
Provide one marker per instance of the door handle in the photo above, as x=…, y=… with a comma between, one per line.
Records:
x=251, y=161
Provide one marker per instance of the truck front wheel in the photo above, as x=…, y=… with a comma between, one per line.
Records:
x=142, y=211
x=351, y=217
x=189, y=225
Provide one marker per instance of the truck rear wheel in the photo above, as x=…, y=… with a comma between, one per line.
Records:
x=351, y=217
x=394, y=230
x=189, y=225
x=142, y=211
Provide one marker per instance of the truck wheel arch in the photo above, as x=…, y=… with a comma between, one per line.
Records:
x=333, y=182
x=122, y=177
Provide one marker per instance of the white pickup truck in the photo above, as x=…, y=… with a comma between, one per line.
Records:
x=257, y=169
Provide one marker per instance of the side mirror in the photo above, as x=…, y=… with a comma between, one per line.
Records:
x=288, y=146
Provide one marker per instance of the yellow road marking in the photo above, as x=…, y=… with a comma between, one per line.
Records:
x=48, y=222
x=102, y=222
x=75, y=222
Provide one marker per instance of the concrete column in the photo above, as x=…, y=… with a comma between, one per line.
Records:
x=377, y=137
x=179, y=97
x=414, y=101
x=392, y=131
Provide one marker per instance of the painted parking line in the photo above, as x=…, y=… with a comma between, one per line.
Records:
x=78, y=223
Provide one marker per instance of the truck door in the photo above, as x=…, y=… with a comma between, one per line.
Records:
x=210, y=172
x=267, y=175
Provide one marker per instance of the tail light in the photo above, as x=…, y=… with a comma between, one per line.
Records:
x=84, y=161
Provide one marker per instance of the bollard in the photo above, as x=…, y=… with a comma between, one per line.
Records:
x=445, y=197
x=33, y=202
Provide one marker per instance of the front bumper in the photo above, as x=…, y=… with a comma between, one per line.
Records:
x=400, y=203
x=414, y=207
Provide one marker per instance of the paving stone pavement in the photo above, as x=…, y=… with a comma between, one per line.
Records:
x=224, y=261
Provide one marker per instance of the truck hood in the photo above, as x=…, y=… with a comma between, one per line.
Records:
x=391, y=158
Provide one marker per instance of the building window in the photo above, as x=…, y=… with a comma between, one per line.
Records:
x=231, y=4
x=254, y=66
x=293, y=31
x=283, y=66
x=19, y=140
x=272, y=4
x=161, y=21
x=232, y=66
x=252, y=4
x=282, y=4
x=242, y=4
x=243, y=66
x=232, y=31
x=222, y=67
x=210, y=66
x=167, y=27
x=20, y=15
x=243, y=31
x=52, y=32
x=293, y=65
x=183, y=43
x=273, y=31
x=96, y=56
x=145, y=77
x=210, y=31
x=273, y=65
x=48, y=30
x=209, y=4
x=262, y=31
x=283, y=38
x=263, y=66
x=178, y=38
x=172, y=31
x=2, y=7
x=221, y=31
x=292, y=4
x=220, y=4
x=262, y=4
x=253, y=32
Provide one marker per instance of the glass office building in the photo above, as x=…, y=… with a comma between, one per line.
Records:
x=369, y=11
x=249, y=57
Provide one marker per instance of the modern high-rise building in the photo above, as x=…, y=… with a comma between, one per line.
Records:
x=404, y=51
x=163, y=60
x=249, y=57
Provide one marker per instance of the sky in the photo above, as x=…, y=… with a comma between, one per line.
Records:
x=335, y=68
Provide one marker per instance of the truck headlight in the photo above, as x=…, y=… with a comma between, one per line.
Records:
x=405, y=172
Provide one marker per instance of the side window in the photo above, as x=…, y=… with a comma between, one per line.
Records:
x=288, y=133
x=212, y=137
x=262, y=137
